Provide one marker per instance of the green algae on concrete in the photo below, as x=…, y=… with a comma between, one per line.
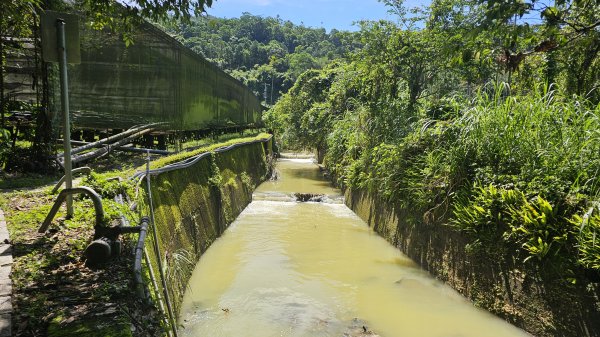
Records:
x=518, y=292
x=193, y=206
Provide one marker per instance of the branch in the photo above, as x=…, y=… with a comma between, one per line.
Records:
x=512, y=60
x=579, y=28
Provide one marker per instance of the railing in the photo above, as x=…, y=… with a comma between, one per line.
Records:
x=193, y=160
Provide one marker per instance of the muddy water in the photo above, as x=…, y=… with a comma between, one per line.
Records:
x=286, y=268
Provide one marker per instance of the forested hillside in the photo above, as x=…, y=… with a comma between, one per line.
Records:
x=263, y=51
x=478, y=115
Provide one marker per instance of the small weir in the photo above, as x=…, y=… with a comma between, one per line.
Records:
x=313, y=268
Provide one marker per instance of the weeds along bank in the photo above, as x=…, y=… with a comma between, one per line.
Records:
x=193, y=206
x=499, y=200
x=497, y=195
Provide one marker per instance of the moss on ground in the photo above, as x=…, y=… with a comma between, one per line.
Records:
x=52, y=284
x=193, y=206
x=185, y=155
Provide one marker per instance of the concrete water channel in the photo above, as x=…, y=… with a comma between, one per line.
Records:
x=288, y=268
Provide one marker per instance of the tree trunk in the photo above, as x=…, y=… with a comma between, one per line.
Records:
x=551, y=69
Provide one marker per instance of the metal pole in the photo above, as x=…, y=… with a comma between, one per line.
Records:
x=139, y=254
x=265, y=93
x=64, y=98
x=157, y=252
x=272, y=89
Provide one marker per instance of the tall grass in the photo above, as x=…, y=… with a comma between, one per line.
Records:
x=510, y=170
x=541, y=139
x=547, y=148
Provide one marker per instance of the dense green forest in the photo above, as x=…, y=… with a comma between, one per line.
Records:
x=479, y=115
x=267, y=54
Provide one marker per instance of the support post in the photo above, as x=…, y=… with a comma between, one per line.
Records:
x=272, y=80
x=64, y=98
x=163, y=279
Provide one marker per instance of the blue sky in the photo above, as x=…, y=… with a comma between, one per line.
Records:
x=339, y=14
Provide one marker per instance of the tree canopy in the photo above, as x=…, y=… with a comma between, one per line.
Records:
x=263, y=52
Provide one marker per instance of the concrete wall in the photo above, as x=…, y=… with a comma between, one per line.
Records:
x=523, y=294
x=194, y=206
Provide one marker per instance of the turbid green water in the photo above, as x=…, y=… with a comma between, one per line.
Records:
x=286, y=268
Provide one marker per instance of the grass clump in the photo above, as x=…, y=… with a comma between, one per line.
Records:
x=189, y=154
x=537, y=157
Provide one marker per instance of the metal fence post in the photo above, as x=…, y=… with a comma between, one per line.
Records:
x=64, y=97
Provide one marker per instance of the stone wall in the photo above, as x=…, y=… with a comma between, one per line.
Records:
x=193, y=207
x=525, y=295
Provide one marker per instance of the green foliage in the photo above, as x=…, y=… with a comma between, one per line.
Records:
x=158, y=9
x=181, y=266
x=539, y=144
x=536, y=225
x=493, y=214
x=108, y=185
x=539, y=136
x=301, y=115
x=216, y=179
x=487, y=214
x=512, y=169
x=587, y=227
x=262, y=51
x=122, y=17
x=4, y=146
x=415, y=117
x=247, y=181
x=17, y=17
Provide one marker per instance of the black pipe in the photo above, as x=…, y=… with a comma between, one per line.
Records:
x=106, y=243
x=192, y=160
x=70, y=191
x=117, y=137
x=139, y=255
x=123, y=148
x=84, y=170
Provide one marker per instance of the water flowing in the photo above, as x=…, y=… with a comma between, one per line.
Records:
x=289, y=268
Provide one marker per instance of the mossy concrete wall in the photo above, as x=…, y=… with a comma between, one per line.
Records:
x=523, y=294
x=194, y=206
